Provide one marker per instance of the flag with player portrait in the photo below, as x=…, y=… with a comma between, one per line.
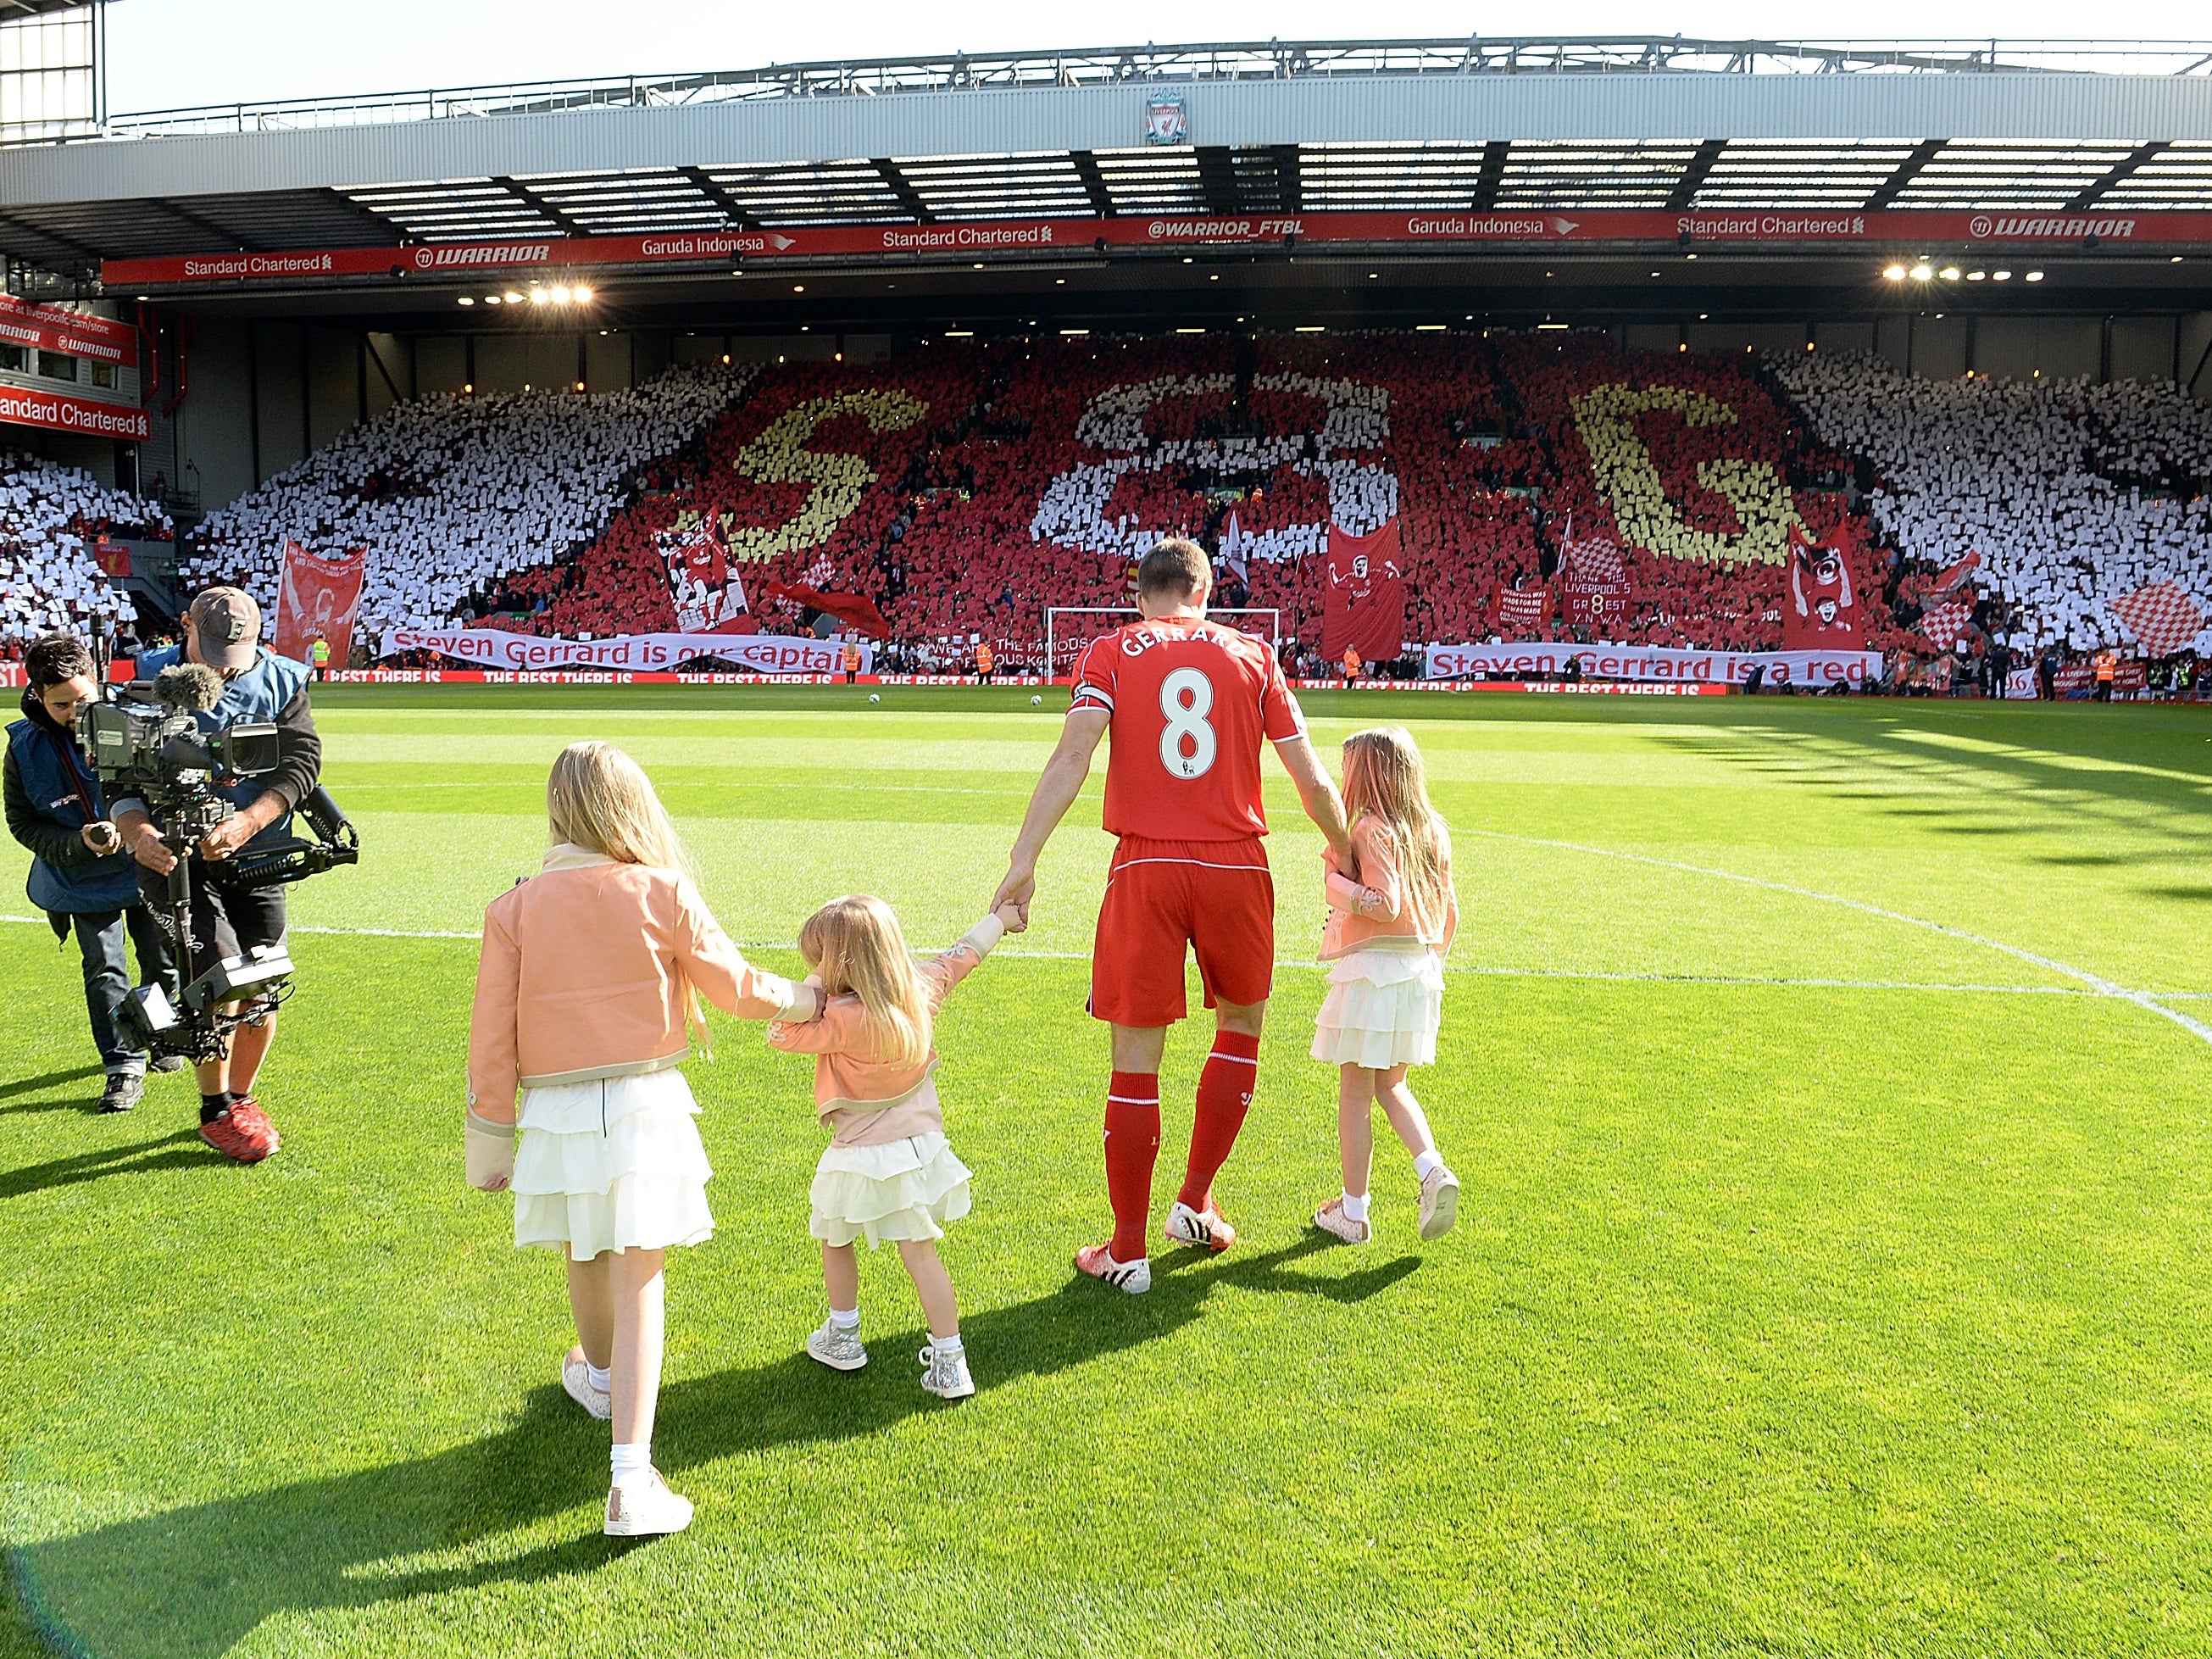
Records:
x=709, y=593
x=1363, y=606
x=318, y=595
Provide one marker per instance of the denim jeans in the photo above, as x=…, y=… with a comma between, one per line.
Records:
x=100, y=935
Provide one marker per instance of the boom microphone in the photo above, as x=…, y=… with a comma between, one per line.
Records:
x=188, y=685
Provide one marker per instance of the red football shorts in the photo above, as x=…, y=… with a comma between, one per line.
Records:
x=1216, y=897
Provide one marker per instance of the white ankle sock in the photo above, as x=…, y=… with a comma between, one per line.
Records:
x=1355, y=1209
x=1424, y=1162
x=845, y=1319
x=632, y=1464
x=947, y=1347
x=601, y=1379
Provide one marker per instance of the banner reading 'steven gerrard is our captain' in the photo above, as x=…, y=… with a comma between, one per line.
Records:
x=763, y=653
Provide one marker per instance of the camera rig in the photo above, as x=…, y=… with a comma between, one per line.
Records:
x=148, y=743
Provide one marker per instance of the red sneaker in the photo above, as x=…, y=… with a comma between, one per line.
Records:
x=243, y=1134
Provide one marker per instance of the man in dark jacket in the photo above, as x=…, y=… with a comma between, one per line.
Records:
x=223, y=631
x=81, y=877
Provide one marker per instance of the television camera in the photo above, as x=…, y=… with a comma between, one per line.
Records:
x=148, y=743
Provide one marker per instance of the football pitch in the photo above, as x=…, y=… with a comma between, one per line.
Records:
x=1832, y=1275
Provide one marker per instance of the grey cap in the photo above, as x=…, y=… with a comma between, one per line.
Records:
x=228, y=624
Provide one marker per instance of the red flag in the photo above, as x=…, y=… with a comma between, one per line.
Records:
x=320, y=594
x=707, y=593
x=1822, y=612
x=857, y=609
x=1956, y=572
x=1593, y=582
x=1364, y=607
x=1522, y=611
x=2162, y=617
x=1942, y=626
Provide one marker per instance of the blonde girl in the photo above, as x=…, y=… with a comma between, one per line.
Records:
x=1390, y=921
x=888, y=1172
x=584, y=1003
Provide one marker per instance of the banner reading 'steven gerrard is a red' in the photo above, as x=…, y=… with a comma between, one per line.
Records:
x=320, y=595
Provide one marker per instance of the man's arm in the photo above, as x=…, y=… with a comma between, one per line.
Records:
x=1317, y=794
x=1057, y=786
x=56, y=843
x=299, y=764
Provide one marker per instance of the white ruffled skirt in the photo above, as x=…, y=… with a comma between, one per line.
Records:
x=610, y=1166
x=1383, y=1009
x=900, y=1190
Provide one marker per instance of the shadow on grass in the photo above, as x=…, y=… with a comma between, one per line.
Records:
x=170, y=1152
x=195, y=1581
x=31, y=1085
x=2198, y=894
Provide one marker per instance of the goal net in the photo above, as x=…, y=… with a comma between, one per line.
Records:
x=1069, y=628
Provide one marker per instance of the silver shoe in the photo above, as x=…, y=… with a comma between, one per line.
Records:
x=946, y=1375
x=1439, y=1202
x=837, y=1348
x=1332, y=1220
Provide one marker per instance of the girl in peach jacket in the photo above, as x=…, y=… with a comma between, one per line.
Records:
x=585, y=1002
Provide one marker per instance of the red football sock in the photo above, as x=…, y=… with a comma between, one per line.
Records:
x=1225, y=1094
x=1133, y=1146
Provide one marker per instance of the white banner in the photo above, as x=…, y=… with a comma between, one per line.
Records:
x=1531, y=658
x=764, y=653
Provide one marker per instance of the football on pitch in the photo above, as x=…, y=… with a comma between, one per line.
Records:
x=1035, y=701
x=875, y=697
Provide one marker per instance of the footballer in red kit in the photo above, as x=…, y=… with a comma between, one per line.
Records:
x=1189, y=704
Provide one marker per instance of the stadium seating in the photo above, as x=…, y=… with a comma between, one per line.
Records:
x=49, y=516
x=455, y=497
x=964, y=488
x=2075, y=495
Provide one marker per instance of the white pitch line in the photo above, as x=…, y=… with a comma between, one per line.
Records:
x=2102, y=987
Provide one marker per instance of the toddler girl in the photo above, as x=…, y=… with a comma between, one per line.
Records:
x=889, y=1171
x=1389, y=922
x=585, y=1002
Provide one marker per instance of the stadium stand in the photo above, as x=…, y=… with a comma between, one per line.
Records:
x=457, y=499
x=50, y=515
x=2075, y=495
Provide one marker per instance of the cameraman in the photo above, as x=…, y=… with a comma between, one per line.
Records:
x=222, y=629
x=80, y=875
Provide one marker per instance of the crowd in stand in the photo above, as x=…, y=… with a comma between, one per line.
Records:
x=51, y=517
x=957, y=494
x=455, y=499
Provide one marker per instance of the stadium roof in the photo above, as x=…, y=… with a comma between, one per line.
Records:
x=1656, y=124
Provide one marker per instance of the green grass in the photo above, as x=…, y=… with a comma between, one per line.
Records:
x=1787, y=1316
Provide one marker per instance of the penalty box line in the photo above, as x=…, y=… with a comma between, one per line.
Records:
x=2096, y=983
x=1599, y=974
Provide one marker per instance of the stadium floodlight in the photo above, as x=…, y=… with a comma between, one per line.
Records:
x=1977, y=276
x=1075, y=332
x=492, y=299
x=2034, y=276
x=1309, y=328
x=1921, y=273
x=539, y=296
x=798, y=288
x=583, y=297
x=2000, y=276
x=464, y=300
x=1895, y=273
x=1949, y=273
x=1430, y=328
x=513, y=298
x=560, y=292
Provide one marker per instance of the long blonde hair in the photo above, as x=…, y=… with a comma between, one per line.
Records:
x=1383, y=775
x=598, y=797
x=855, y=944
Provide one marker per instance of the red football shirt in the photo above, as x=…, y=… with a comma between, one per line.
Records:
x=1191, y=703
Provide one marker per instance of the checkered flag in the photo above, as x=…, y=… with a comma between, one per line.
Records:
x=1595, y=563
x=2161, y=616
x=1942, y=626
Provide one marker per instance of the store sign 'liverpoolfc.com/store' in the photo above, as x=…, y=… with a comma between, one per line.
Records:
x=1870, y=233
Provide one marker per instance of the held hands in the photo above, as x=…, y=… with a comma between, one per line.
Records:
x=1014, y=894
x=1014, y=918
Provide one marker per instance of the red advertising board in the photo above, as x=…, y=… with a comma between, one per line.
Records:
x=48, y=328
x=1449, y=227
x=65, y=411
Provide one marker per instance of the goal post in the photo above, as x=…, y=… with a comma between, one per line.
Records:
x=1066, y=639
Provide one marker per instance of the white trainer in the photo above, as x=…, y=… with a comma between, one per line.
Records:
x=646, y=1508
x=576, y=1378
x=837, y=1347
x=1135, y=1278
x=1198, y=1230
x=946, y=1375
x=1332, y=1220
x=1439, y=1202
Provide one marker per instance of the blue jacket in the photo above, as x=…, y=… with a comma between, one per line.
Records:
x=263, y=692
x=67, y=876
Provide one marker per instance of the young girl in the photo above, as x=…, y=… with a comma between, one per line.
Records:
x=585, y=1002
x=889, y=1171
x=1389, y=922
